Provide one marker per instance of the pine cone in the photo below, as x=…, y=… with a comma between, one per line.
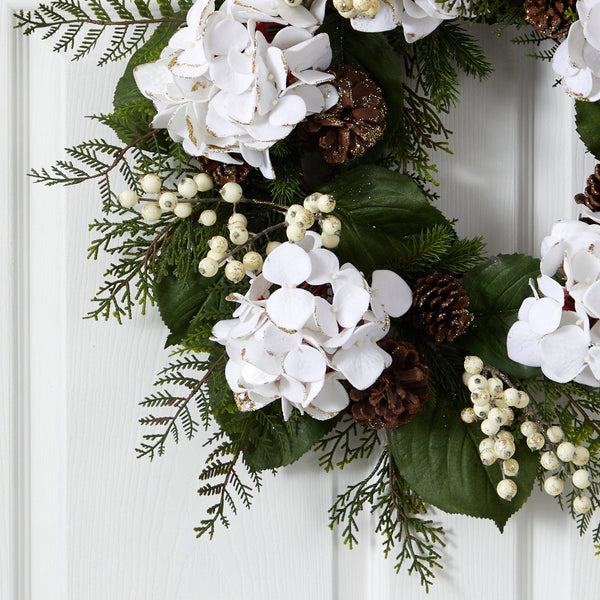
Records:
x=440, y=307
x=591, y=198
x=396, y=397
x=548, y=16
x=223, y=173
x=353, y=125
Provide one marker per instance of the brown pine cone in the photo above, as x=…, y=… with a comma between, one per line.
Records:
x=591, y=197
x=223, y=173
x=440, y=307
x=396, y=397
x=353, y=125
x=548, y=16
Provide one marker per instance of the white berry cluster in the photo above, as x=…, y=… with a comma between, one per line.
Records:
x=298, y=220
x=561, y=459
x=163, y=200
x=493, y=405
x=351, y=8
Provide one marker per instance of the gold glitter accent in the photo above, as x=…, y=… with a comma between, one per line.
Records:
x=244, y=403
x=198, y=85
x=190, y=127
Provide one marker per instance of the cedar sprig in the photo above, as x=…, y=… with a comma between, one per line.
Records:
x=415, y=543
x=79, y=27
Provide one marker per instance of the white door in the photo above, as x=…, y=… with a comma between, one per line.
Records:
x=82, y=519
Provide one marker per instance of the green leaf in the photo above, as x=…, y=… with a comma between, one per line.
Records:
x=496, y=289
x=437, y=453
x=186, y=303
x=378, y=207
x=587, y=119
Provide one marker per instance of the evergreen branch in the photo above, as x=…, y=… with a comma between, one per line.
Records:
x=415, y=541
x=81, y=28
x=155, y=442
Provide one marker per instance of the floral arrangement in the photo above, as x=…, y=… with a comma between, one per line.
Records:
x=268, y=185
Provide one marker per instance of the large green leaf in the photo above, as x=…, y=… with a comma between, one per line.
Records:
x=587, y=118
x=438, y=456
x=186, y=304
x=377, y=208
x=496, y=289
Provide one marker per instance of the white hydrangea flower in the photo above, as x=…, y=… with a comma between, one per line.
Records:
x=417, y=17
x=221, y=88
x=577, y=60
x=278, y=11
x=555, y=329
x=306, y=323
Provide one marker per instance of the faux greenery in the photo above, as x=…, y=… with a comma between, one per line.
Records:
x=389, y=222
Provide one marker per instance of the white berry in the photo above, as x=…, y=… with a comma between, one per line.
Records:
x=208, y=267
x=581, y=478
x=473, y=365
x=237, y=219
x=497, y=415
x=476, y=382
x=555, y=434
x=506, y=489
x=331, y=225
x=330, y=241
x=295, y=233
x=217, y=256
x=506, y=435
x=151, y=211
x=566, y=451
x=468, y=415
x=581, y=457
x=304, y=218
x=234, y=271
x=218, y=243
x=499, y=401
x=231, y=192
x=535, y=441
x=183, y=210
x=207, y=217
x=238, y=235
x=511, y=395
x=204, y=182
x=488, y=457
x=490, y=427
x=508, y=414
x=582, y=504
x=326, y=203
x=486, y=444
x=128, y=198
x=480, y=396
x=482, y=411
x=528, y=428
x=311, y=202
x=271, y=246
x=495, y=386
x=549, y=461
x=510, y=467
x=553, y=485
x=504, y=449
x=167, y=201
x=151, y=183
x=187, y=188
x=253, y=261
x=523, y=400
x=465, y=378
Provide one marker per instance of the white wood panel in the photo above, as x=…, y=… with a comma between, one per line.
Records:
x=85, y=519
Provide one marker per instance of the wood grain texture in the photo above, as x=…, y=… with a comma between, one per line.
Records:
x=105, y=525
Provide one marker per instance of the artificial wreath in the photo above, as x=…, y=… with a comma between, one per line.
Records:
x=271, y=192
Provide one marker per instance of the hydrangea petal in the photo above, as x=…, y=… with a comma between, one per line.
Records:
x=361, y=366
x=305, y=364
x=331, y=400
x=324, y=265
x=544, y=316
x=523, y=345
x=290, y=308
x=349, y=304
x=591, y=300
x=391, y=293
x=288, y=264
x=563, y=353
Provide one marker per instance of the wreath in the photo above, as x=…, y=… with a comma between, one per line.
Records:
x=272, y=192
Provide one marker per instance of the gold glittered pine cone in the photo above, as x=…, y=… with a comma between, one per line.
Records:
x=223, y=173
x=548, y=16
x=440, y=307
x=591, y=197
x=396, y=397
x=355, y=124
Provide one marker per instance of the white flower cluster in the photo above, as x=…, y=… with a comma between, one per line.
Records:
x=222, y=87
x=558, y=329
x=418, y=18
x=295, y=345
x=577, y=60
